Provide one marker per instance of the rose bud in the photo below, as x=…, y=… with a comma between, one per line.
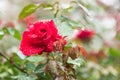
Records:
x=76, y=51
x=58, y=46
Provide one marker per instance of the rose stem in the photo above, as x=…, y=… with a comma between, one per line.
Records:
x=55, y=15
x=13, y=63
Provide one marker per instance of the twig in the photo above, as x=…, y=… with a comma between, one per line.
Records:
x=84, y=9
x=55, y=15
x=13, y=63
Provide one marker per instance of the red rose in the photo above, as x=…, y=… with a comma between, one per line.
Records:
x=10, y=24
x=85, y=34
x=39, y=37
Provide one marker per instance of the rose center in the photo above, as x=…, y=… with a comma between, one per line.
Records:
x=43, y=30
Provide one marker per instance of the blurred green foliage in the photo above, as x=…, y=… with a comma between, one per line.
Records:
x=106, y=68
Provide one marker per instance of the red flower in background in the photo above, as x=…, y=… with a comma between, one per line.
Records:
x=29, y=19
x=4, y=23
x=0, y=22
x=10, y=24
x=85, y=34
x=39, y=37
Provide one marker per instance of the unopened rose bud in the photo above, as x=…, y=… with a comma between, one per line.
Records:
x=76, y=51
x=59, y=45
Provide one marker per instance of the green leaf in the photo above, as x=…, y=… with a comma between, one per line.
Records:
x=40, y=68
x=32, y=77
x=72, y=23
x=35, y=58
x=5, y=30
x=63, y=28
x=24, y=77
x=30, y=66
x=114, y=52
x=77, y=61
x=40, y=73
x=68, y=46
x=118, y=37
x=27, y=10
x=48, y=77
x=1, y=34
x=47, y=6
x=13, y=32
x=17, y=35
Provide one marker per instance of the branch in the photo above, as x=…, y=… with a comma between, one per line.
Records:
x=84, y=9
x=13, y=63
x=57, y=6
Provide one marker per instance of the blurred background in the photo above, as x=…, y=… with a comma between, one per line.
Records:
x=100, y=16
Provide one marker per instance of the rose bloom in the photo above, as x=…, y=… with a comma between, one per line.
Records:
x=85, y=34
x=39, y=37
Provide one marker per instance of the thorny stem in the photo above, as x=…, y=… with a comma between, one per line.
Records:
x=13, y=63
